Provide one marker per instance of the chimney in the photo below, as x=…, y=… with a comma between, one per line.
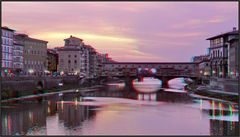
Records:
x=234, y=28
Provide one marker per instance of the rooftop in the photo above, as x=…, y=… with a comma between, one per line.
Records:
x=74, y=38
x=233, y=32
x=26, y=36
x=6, y=28
x=52, y=51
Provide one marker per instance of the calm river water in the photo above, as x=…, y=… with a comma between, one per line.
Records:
x=117, y=110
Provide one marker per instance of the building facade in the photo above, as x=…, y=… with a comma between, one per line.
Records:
x=35, y=55
x=203, y=62
x=77, y=58
x=7, y=51
x=234, y=58
x=52, y=60
x=219, y=53
x=18, y=59
x=80, y=58
x=69, y=60
x=72, y=57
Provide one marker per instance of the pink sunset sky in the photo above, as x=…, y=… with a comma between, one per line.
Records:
x=127, y=31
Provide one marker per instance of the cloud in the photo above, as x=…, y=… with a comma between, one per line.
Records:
x=134, y=30
x=179, y=34
x=196, y=23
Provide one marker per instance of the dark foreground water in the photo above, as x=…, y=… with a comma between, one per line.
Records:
x=117, y=110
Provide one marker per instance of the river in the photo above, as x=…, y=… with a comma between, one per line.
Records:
x=114, y=109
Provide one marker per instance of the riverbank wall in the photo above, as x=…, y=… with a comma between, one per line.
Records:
x=227, y=85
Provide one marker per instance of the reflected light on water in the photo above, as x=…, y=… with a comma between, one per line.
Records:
x=147, y=96
x=9, y=122
x=147, y=84
x=122, y=116
x=213, y=109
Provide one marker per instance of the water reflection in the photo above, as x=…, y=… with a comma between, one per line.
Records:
x=121, y=112
x=23, y=119
x=149, y=96
x=116, y=86
x=72, y=114
x=219, y=127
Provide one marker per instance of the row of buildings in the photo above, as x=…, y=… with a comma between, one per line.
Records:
x=223, y=58
x=22, y=54
x=27, y=56
x=77, y=58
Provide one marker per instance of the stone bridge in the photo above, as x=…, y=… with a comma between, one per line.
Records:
x=164, y=71
x=164, y=78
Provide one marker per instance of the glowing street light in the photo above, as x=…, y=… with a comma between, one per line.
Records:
x=61, y=73
x=46, y=71
x=75, y=73
x=30, y=71
x=205, y=73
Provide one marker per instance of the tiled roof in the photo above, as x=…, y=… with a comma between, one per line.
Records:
x=6, y=28
x=236, y=32
x=26, y=36
x=74, y=37
x=38, y=39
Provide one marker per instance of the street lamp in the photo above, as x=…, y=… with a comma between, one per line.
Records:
x=75, y=73
x=46, y=71
x=30, y=71
x=61, y=73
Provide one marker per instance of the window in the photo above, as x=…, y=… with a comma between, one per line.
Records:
x=6, y=33
x=69, y=56
x=69, y=61
x=75, y=61
x=75, y=56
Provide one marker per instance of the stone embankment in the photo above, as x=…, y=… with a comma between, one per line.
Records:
x=22, y=86
x=219, y=89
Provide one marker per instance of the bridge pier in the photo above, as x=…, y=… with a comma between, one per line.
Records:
x=165, y=84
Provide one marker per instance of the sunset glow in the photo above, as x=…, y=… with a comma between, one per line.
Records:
x=128, y=31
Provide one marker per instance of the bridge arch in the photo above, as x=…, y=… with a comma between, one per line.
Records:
x=165, y=79
x=40, y=84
